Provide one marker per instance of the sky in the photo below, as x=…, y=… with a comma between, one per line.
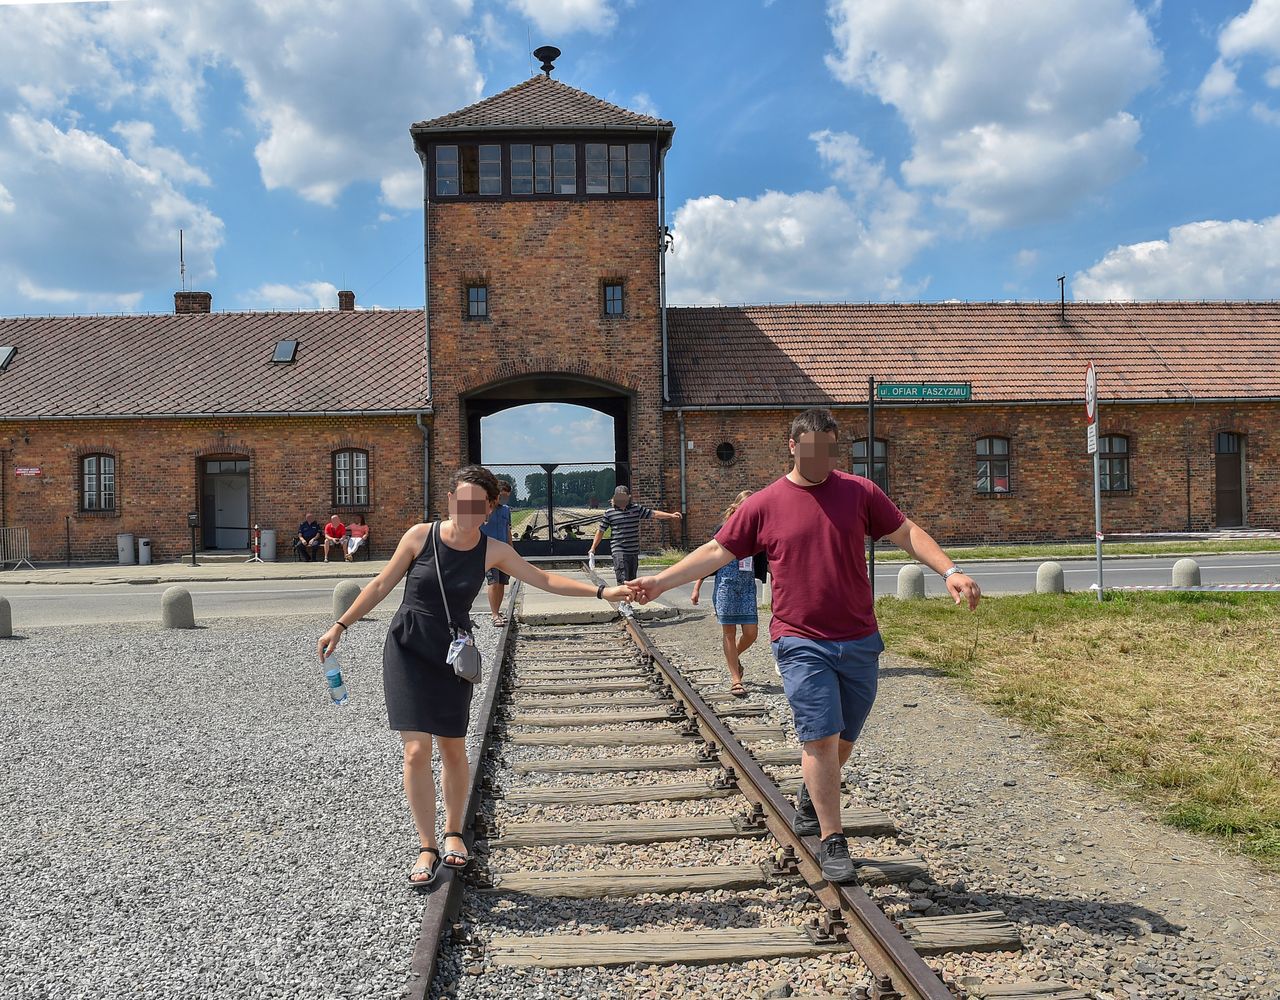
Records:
x=848, y=150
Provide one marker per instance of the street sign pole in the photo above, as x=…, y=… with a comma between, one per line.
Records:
x=1091, y=411
x=871, y=474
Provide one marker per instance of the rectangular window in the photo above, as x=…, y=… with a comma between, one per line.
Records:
x=638, y=168
x=617, y=169
x=491, y=169
x=477, y=301
x=351, y=478
x=1113, y=463
x=446, y=170
x=597, y=168
x=470, y=160
x=98, y=483
x=879, y=473
x=993, y=465
x=613, y=298
x=566, y=168
x=542, y=169
x=521, y=168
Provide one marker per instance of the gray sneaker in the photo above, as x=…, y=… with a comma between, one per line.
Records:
x=806, y=819
x=837, y=866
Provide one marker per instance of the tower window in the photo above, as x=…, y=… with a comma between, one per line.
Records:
x=566, y=168
x=613, y=298
x=477, y=301
x=446, y=170
x=617, y=168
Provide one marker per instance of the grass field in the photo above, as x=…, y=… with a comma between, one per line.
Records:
x=668, y=557
x=1172, y=698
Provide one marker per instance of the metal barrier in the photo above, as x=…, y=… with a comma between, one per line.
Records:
x=15, y=547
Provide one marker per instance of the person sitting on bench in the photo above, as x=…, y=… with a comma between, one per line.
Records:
x=308, y=538
x=357, y=535
x=335, y=535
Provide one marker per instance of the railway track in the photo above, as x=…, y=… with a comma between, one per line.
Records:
x=605, y=774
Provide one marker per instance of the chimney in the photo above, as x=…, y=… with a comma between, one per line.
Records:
x=192, y=302
x=346, y=302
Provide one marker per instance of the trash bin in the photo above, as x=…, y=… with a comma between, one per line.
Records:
x=144, y=551
x=124, y=549
x=267, y=541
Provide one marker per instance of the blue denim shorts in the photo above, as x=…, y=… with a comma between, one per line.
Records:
x=830, y=685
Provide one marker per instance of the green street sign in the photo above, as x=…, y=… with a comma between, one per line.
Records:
x=939, y=392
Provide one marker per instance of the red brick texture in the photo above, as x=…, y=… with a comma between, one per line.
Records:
x=543, y=262
x=932, y=466
x=157, y=479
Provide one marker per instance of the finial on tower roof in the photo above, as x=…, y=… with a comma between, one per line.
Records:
x=548, y=54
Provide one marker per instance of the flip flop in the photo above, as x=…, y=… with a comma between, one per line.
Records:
x=738, y=691
x=499, y=621
x=431, y=870
x=463, y=858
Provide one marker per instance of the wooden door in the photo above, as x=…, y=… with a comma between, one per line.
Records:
x=1230, y=481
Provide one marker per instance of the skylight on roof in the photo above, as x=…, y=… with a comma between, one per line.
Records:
x=6, y=355
x=286, y=350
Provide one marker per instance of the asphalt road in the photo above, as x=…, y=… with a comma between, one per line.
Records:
x=35, y=604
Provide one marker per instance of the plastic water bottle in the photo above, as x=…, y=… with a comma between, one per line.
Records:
x=333, y=681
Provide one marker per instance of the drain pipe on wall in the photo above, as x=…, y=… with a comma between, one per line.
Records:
x=426, y=269
x=684, y=504
x=426, y=466
x=662, y=270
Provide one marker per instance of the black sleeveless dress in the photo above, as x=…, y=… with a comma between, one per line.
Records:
x=423, y=694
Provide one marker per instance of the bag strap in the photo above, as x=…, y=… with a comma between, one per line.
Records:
x=435, y=551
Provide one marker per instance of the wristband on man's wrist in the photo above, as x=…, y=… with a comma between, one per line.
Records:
x=600, y=592
x=341, y=626
x=952, y=572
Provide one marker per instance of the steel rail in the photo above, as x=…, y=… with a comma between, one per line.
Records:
x=445, y=895
x=871, y=934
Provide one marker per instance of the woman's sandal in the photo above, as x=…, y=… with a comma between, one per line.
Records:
x=431, y=870
x=739, y=690
x=463, y=857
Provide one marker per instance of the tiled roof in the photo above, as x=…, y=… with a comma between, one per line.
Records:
x=212, y=363
x=541, y=102
x=805, y=354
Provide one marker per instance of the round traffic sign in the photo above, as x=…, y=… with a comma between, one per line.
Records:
x=1091, y=392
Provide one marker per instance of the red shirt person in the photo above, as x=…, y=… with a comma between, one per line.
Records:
x=812, y=524
x=334, y=534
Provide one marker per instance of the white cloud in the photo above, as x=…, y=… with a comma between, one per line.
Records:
x=1255, y=33
x=1015, y=112
x=557, y=16
x=1238, y=259
x=331, y=94
x=305, y=295
x=6, y=201
x=139, y=139
x=89, y=227
x=849, y=241
x=643, y=104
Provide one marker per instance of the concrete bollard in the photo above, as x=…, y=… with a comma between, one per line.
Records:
x=176, y=610
x=1186, y=573
x=1050, y=579
x=911, y=582
x=6, y=620
x=344, y=595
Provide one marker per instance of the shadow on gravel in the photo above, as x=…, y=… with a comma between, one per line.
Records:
x=1089, y=915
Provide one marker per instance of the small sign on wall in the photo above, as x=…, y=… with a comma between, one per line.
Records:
x=28, y=470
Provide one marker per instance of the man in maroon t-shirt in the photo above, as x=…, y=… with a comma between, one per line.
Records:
x=812, y=524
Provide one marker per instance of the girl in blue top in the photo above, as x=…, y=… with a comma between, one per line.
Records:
x=734, y=599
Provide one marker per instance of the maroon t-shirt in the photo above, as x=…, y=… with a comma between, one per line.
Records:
x=815, y=539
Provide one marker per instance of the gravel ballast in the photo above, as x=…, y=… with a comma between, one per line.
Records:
x=187, y=815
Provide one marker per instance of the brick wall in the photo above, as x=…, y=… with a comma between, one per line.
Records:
x=157, y=465
x=932, y=466
x=544, y=262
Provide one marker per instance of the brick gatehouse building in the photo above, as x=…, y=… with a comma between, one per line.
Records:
x=545, y=252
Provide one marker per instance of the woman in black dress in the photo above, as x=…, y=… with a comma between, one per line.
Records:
x=425, y=699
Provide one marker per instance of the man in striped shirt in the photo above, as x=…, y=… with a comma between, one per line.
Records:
x=623, y=519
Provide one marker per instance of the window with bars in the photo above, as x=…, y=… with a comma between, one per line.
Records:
x=614, y=301
x=98, y=482
x=477, y=301
x=879, y=470
x=993, y=465
x=351, y=478
x=1113, y=463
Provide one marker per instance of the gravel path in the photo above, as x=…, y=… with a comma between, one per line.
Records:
x=186, y=815
x=1106, y=897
